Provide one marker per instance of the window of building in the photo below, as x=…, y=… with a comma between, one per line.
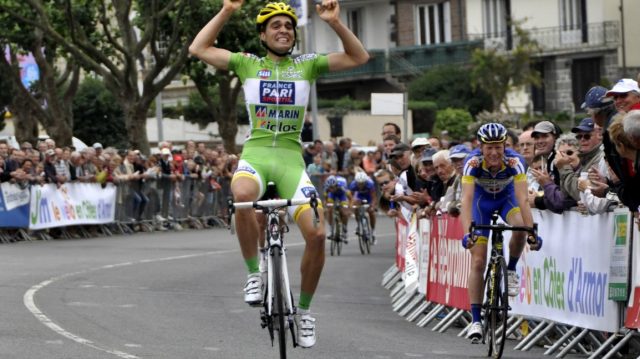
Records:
x=571, y=14
x=354, y=22
x=495, y=18
x=433, y=23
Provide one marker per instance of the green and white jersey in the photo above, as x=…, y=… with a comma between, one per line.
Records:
x=276, y=95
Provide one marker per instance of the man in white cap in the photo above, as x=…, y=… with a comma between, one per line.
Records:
x=417, y=147
x=98, y=147
x=626, y=95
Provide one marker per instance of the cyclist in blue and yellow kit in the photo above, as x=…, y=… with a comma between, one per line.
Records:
x=493, y=179
x=276, y=90
x=364, y=190
x=337, y=193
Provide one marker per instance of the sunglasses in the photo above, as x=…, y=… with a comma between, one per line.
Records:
x=384, y=183
x=585, y=136
x=567, y=152
x=621, y=95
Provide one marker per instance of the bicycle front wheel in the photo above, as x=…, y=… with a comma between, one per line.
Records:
x=337, y=235
x=497, y=307
x=279, y=312
x=366, y=233
x=360, y=232
x=333, y=239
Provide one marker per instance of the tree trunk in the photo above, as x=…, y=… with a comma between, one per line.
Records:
x=136, y=123
x=25, y=123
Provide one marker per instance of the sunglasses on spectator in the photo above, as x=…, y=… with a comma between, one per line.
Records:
x=585, y=136
x=620, y=95
x=384, y=183
x=567, y=152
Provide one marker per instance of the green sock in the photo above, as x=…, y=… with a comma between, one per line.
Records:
x=253, y=265
x=305, y=300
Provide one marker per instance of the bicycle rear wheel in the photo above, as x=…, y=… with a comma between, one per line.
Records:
x=279, y=312
x=497, y=307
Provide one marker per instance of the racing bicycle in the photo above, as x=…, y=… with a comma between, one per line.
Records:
x=496, y=302
x=335, y=234
x=363, y=227
x=279, y=309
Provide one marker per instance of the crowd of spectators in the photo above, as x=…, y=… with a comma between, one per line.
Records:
x=167, y=166
x=592, y=168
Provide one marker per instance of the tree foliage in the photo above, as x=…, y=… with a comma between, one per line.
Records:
x=449, y=86
x=119, y=41
x=455, y=121
x=98, y=116
x=48, y=100
x=498, y=72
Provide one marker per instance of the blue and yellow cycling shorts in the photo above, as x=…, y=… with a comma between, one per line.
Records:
x=484, y=204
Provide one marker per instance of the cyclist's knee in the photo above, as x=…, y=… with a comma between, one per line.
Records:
x=478, y=263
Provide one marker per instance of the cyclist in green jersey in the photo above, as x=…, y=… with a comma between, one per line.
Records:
x=276, y=89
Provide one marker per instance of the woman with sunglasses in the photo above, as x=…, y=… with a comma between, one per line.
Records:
x=590, y=155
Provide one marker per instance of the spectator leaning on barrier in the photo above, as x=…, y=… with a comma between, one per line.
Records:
x=76, y=172
x=50, y=174
x=401, y=159
x=450, y=202
x=553, y=197
x=631, y=123
x=629, y=191
x=445, y=174
x=386, y=182
x=590, y=154
x=545, y=134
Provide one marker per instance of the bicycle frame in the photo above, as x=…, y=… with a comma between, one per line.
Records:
x=277, y=275
x=496, y=303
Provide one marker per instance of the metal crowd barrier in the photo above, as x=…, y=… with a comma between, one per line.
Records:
x=155, y=204
x=556, y=338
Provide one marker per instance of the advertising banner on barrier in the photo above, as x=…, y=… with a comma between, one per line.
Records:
x=14, y=206
x=412, y=248
x=424, y=230
x=401, y=235
x=633, y=310
x=449, y=264
x=568, y=279
x=71, y=204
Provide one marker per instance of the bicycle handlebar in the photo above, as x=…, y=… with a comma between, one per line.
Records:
x=504, y=227
x=271, y=203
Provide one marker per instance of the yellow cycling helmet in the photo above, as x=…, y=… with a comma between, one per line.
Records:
x=275, y=8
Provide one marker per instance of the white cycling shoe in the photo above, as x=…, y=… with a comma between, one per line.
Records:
x=513, y=279
x=306, y=325
x=475, y=332
x=253, y=290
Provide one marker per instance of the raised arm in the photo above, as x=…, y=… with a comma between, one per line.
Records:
x=354, y=52
x=203, y=44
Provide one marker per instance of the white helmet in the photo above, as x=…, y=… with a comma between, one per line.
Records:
x=361, y=177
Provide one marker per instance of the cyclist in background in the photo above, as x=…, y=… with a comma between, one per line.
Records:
x=363, y=189
x=493, y=179
x=337, y=193
x=276, y=90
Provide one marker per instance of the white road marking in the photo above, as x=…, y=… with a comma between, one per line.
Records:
x=29, y=300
